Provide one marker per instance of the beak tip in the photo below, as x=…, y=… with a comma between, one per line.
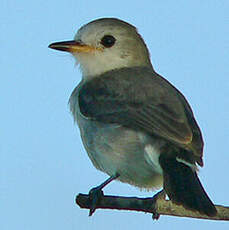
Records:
x=62, y=46
x=51, y=46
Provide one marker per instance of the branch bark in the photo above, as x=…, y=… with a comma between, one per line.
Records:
x=163, y=207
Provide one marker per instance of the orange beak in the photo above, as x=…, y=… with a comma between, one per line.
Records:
x=72, y=47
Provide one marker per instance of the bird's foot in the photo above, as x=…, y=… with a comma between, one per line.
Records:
x=95, y=195
x=159, y=195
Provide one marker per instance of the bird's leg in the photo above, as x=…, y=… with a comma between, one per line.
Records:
x=96, y=193
x=160, y=195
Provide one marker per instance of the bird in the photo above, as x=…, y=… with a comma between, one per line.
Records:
x=134, y=124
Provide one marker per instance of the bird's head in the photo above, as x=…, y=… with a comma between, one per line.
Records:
x=104, y=45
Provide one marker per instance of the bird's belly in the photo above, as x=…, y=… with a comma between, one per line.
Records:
x=116, y=149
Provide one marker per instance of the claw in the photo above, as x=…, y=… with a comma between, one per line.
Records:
x=159, y=195
x=95, y=194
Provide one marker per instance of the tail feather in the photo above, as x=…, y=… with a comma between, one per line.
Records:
x=183, y=186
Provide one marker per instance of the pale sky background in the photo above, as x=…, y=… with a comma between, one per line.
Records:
x=43, y=164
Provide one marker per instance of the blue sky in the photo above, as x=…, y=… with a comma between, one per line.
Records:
x=43, y=163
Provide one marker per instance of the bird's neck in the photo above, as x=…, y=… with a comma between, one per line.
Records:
x=93, y=65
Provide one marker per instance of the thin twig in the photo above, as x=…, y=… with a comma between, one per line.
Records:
x=163, y=207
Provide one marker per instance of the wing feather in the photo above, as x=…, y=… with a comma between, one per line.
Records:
x=147, y=103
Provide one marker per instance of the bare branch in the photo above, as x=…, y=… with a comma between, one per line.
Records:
x=163, y=207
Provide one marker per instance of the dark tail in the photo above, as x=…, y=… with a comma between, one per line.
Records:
x=183, y=186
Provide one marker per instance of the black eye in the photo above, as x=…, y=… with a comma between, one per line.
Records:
x=108, y=41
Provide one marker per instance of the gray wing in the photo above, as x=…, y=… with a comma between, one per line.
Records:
x=141, y=100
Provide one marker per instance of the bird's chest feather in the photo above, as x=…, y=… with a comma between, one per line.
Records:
x=116, y=149
x=113, y=148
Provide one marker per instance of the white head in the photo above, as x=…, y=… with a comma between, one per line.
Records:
x=106, y=44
